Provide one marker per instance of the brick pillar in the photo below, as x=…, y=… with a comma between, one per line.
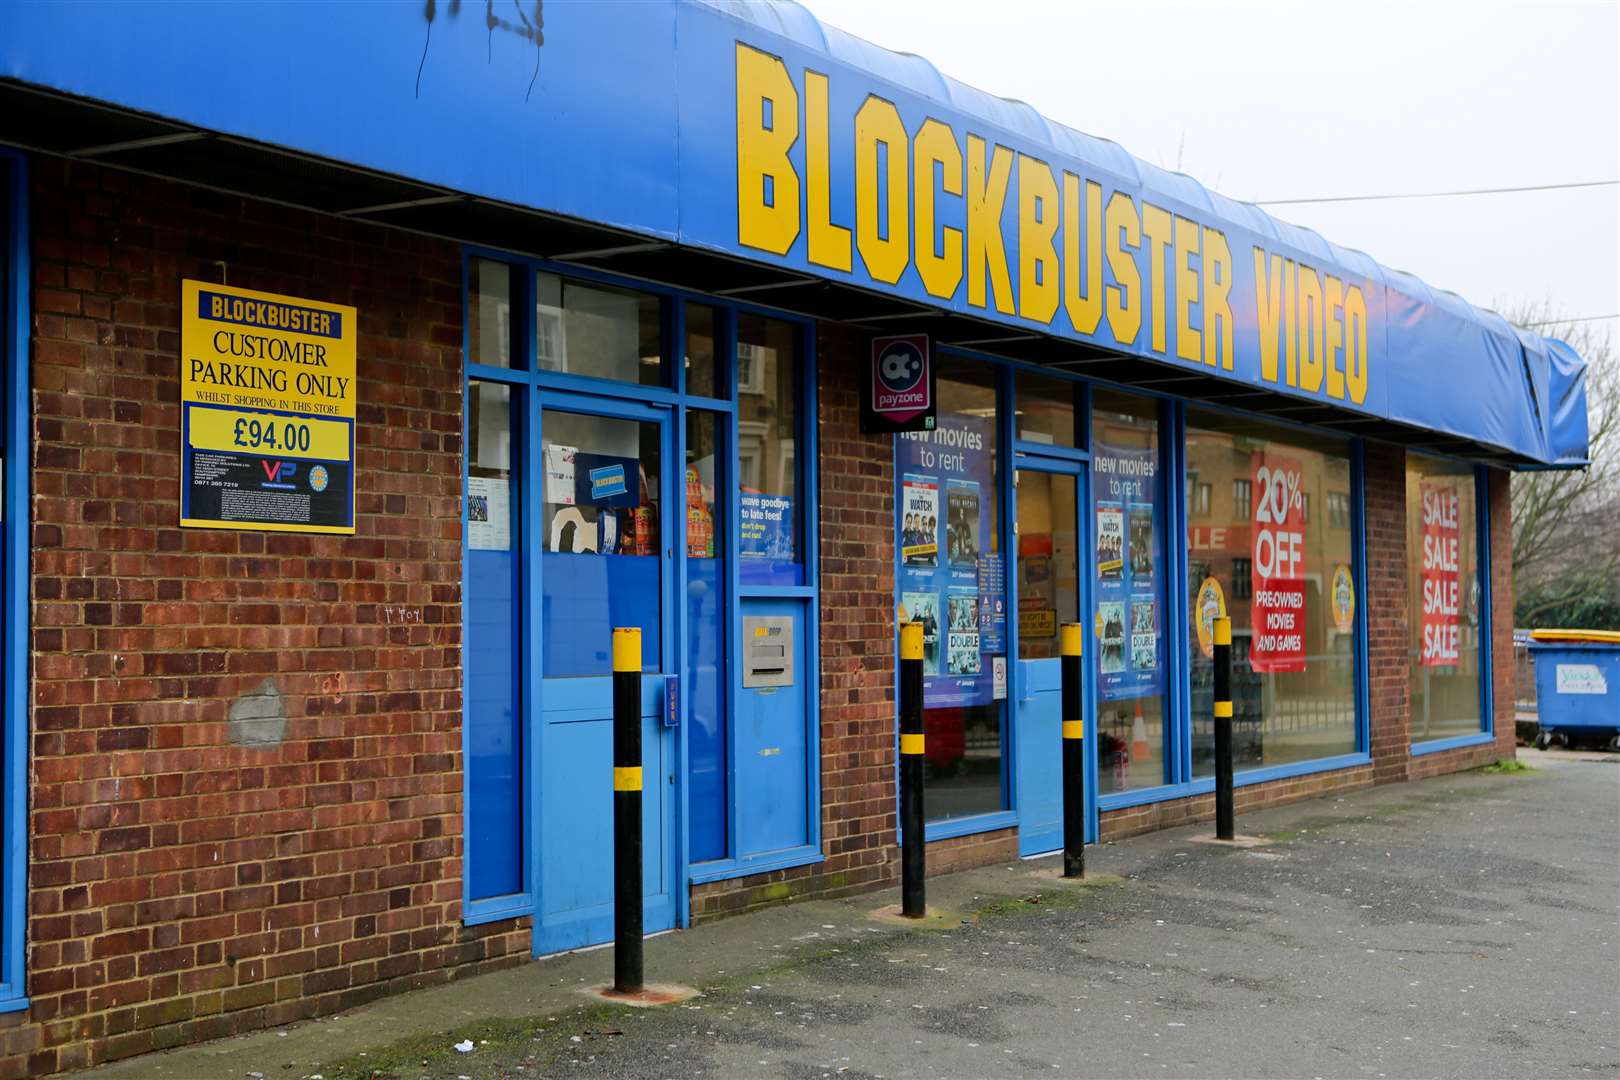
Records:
x=1388, y=624
x=857, y=618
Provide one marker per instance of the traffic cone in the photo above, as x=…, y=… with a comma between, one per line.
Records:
x=1140, y=750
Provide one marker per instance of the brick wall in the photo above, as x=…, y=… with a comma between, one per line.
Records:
x=1388, y=631
x=182, y=885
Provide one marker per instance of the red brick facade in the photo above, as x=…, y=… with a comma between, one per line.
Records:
x=187, y=883
x=183, y=886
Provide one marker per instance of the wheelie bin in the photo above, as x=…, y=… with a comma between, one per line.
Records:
x=1577, y=687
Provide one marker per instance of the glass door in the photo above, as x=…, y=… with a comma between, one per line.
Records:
x=606, y=561
x=1049, y=495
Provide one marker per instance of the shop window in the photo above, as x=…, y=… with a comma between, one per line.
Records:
x=489, y=313
x=494, y=624
x=706, y=637
x=767, y=461
x=1293, y=615
x=1046, y=409
x=703, y=361
x=952, y=579
x=1128, y=592
x=1445, y=599
x=582, y=328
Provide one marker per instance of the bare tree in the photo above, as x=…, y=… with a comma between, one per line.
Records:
x=1566, y=523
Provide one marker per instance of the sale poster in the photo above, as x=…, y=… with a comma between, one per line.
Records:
x=951, y=575
x=1441, y=575
x=1278, y=565
x=1125, y=589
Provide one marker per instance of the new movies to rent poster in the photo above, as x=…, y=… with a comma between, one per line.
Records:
x=1125, y=588
x=267, y=406
x=949, y=565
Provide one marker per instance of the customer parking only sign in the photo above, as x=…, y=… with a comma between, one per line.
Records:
x=267, y=411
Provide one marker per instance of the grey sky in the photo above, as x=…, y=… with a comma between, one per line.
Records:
x=1286, y=100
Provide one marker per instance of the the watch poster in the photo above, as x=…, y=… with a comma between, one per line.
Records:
x=1127, y=620
x=267, y=411
x=951, y=575
x=1441, y=575
x=1277, y=611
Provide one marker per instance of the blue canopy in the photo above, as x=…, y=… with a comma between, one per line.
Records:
x=753, y=131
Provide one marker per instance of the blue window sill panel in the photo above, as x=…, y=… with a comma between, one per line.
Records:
x=10, y=1003
x=722, y=869
x=1122, y=800
x=966, y=826
x=495, y=908
x=1455, y=742
x=1206, y=784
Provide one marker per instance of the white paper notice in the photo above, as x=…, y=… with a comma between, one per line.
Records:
x=998, y=678
x=489, y=514
x=560, y=474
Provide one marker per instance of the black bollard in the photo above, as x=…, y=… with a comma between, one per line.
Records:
x=1223, y=728
x=913, y=899
x=1074, y=756
x=627, y=899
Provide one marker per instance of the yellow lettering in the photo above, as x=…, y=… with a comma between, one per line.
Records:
x=941, y=269
x=1125, y=296
x=828, y=244
x=887, y=250
x=1268, y=301
x=1290, y=320
x=1189, y=343
x=768, y=220
x=1310, y=329
x=1084, y=306
x=1333, y=352
x=1217, y=302
x=1355, y=323
x=1156, y=226
x=986, y=195
x=1037, y=226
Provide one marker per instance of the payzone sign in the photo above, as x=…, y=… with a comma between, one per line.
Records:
x=1278, y=566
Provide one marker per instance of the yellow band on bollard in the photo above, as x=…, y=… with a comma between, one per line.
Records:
x=1223, y=630
x=627, y=778
x=1074, y=729
x=911, y=744
x=1223, y=710
x=911, y=641
x=1070, y=643
x=627, y=648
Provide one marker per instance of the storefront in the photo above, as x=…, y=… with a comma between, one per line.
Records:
x=538, y=331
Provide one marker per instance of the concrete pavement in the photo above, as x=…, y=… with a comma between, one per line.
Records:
x=1461, y=926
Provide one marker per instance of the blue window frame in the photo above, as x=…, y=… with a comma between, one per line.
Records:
x=515, y=341
x=1179, y=514
x=14, y=591
x=1472, y=619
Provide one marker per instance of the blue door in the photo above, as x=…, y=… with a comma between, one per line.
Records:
x=1049, y=589
x=607, y=561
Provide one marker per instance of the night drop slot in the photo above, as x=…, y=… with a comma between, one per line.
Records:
x=772, y=723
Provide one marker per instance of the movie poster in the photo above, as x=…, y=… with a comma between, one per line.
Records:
x=950, y=571
x=919, y=525
x=923, y=607
x=1128, y=614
